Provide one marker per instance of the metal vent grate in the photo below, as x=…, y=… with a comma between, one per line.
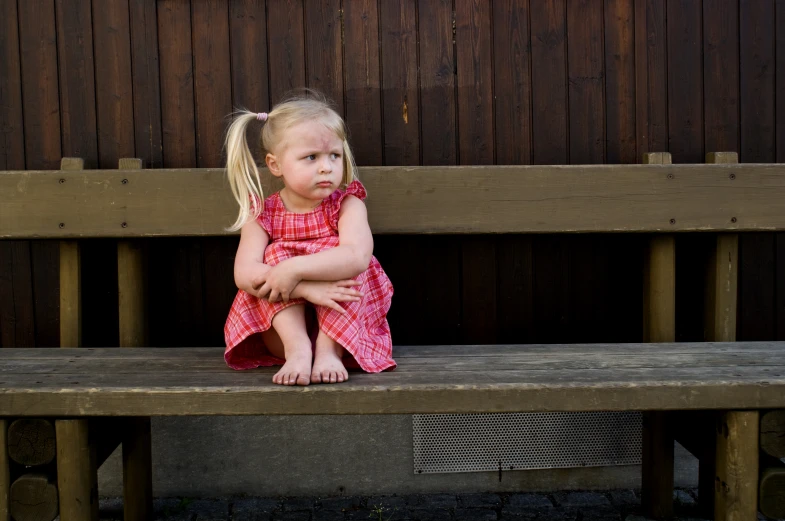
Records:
x=446, y=443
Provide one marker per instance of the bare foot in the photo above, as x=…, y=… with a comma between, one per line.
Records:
x=328, y=367
x=296, y=371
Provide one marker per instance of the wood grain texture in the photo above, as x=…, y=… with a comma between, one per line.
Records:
x=721, y=74
x=736, y=488
x=500, y=199
x=285, y=47
x=12, y=147
x=772, y=433
x=31, y=441
x=324, y=49
x=248, y=31
x=137, y=471
x=34, y=498
x=76, y=471
x=5, y=473
x=620, y=81
x=656, y=86
x=119, y=382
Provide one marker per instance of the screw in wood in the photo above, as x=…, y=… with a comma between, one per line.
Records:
x=733, y=219
x=670, y=176
x=62, y=181
x=62, y=225
x=125, y=181
x=732, y=176
x=124, y=225
x=673, y=221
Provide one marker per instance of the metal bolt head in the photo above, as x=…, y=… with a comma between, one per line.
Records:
x=732, y=176
x=733, y=219
x=125, y=181
x=670, y=176
x=62, y=225
x=124, y=225
x=62, y=181
x=673, y=221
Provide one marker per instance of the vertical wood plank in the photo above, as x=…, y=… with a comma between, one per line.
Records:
x=41, y=114
x=70, y=280
x=362, y=80
x=780, y=319
x=549, y=82
x=77, y=475
x=512, y=82
x=657, y=73
x=721, y=74
x=779, y=95
x=212, y=79
x=737, y=466
x=641, y=78
x=286, y=47
x=400, y=95
x=77, y=80
x=113, y=81
x=515, y=312
x=248, y=39
x=219, y=287
x=475, y=82
x=757, y=281
x=17, y=313
x=552, y=311
x=437, y=82
x=177, y=85
x=137, y=471
x=146, y=82
x=586, y=73
x=12, y=147
x=5, y=472
x=659, y=320
x=132, y=283
x=685, y=81
x=620, y=81
x=323, y=49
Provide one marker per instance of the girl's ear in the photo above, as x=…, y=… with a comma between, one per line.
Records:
x=272, y=165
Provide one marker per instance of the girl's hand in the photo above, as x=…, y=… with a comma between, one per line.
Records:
x=329, y=294
x=280, y=281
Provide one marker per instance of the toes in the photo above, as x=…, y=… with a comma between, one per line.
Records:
x=302, y=380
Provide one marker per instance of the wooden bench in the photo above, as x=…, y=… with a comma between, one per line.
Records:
x=99, y=397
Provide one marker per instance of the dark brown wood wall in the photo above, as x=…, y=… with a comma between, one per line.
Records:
x=419, y=82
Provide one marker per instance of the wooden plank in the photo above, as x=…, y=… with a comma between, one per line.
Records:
x=500, y=199
x=474, y=74
x=17, y=315
x=659, y=325
x=437, y=82
x=549, y=82
x=771, y=500
x=620, y=81
x=31, y=441
x=33, y=497
x=772, y=433
x=685, y=83
x=248, y=30
x=132, y=284
x=400, y=99
x=515, y=299
x=138, y=471
x=70, y=279
x=12, y=147
x=5, y=473
x=737, y=466
x=77, y=81
x=146, y=82
x=721, y=74
x=286, y=47
x=212, y=79
x=641, y=78
x=177, y=83
x=77, y=475
x=362, y=80
x=323, y=49
x=657, y=74
x=586, y=77
x=479, y=282
x=113, y=82
x=779, y=94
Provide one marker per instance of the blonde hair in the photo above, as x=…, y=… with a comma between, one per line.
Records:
x=241, y=169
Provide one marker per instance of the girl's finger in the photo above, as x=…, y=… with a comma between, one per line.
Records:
x=347, y=283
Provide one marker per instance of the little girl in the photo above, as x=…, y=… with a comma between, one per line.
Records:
x=306, y=247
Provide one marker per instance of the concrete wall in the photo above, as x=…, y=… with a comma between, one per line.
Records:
x=329, y=456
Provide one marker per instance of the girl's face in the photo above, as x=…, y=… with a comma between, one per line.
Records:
x=310, y=160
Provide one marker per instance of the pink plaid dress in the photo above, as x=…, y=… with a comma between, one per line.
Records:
x=363, y=331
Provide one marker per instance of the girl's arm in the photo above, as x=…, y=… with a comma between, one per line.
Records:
x=249, y=267
x=350, y=258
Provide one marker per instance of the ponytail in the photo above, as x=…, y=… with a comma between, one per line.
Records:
x=242, y=172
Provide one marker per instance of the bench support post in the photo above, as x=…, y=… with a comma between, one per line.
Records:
x=70, y=279
x=736, y=483
x=77, y=475
x=5, y=473
x=659, y=325
x=137, y=471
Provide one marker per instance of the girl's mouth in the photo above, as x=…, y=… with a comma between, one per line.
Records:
x=324, y=184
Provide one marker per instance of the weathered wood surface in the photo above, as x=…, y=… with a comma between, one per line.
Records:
x=736, y=480
x=77, y=477
x=31, y=441
x=439, y=379
x=772, y=433
x=771, y=488
x=499, y=199
x=5, y=472
x=33, y=498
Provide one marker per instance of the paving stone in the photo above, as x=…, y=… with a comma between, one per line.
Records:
x=559, y=514
x=476, y=514
x=580, y=499
x=172, y=509
x=210, y=510
x=396, y=502
x=600, y=514
x=683, y=497
x=296, y=504
x=430, y=515
x=529, y=501
x=301, y=515
x=479, y=501
x=432, y=501
x=341, y=503
x=327, y=515
x=636, y=517
x=624, y=498
x=254, y=509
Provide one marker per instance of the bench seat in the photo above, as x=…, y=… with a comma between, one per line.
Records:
x=429, y=379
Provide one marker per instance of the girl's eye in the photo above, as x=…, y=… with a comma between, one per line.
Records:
x=335, y=156
x=311, y=157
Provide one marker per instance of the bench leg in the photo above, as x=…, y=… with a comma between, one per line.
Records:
x=5, y=472
x=736, y=484
x=657, y=471
x=137, y=471
x=77, y=475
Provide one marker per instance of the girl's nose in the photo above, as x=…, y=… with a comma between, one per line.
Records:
x=325, y=166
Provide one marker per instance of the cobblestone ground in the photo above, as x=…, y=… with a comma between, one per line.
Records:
x=614, y=505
